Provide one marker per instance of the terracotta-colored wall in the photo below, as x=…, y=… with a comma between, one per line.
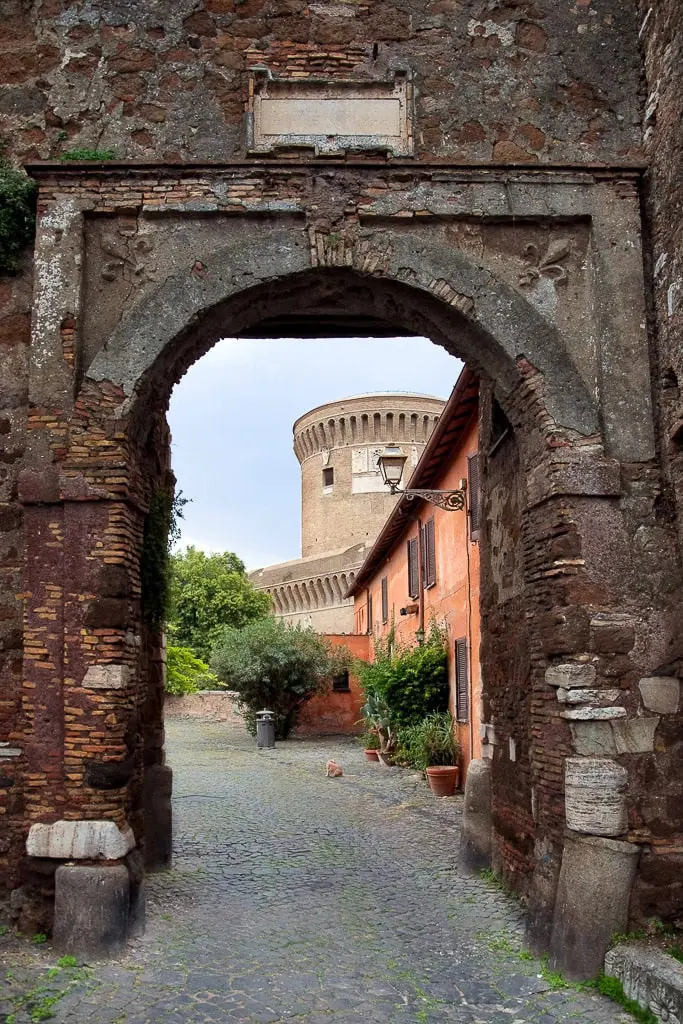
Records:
x=454, y=598
x=334, y=713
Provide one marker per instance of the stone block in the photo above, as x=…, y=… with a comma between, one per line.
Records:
x=580, y=696
x=594, y=796
x=660, y=694
x=651, y=978
x=592, y=902
x=593, y=739
x=107, y=677
x=91, y=910
x=612, y=633
x=475, y=843
x=589, y=714
x=635, y=735
x=570, y=675
x=79, y=840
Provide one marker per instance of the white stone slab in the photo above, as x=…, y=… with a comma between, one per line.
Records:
x=593, y=714
x=7, y=751
x=320, y=116
x=570, y=675
x=660, y=694
x=107, y=677
x=581, y=696
x=595, y=803
x=79, y=840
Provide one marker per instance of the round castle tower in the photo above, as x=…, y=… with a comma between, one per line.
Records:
x=343, y=498
x=344, y=503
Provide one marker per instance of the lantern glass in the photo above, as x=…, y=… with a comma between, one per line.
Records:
x=391, y=463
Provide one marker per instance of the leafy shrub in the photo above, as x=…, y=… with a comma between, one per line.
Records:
x=17, y=215
x=275, y=666
x=412, y=681
x=185, y=673
x=431, y=742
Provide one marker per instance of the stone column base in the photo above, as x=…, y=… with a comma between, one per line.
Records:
x=91, y=910
x=475, y=840
x=158, y=817
x=593, y=895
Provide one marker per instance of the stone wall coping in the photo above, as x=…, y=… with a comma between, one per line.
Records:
x=650, y=977
x=96, y=168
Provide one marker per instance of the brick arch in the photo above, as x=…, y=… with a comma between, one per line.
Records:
x=432, y=290
x=109, y=455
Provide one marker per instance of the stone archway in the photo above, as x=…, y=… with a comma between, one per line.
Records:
x=110, y=343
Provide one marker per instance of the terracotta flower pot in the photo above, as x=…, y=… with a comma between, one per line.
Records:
x=371, y=755
x=443, y=779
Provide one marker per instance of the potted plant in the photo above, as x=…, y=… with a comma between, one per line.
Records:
x=377, y=717
x=432, y=747
x=370, y=743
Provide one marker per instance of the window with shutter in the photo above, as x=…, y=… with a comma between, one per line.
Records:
x=474, y=492
x=462, y=689
x=429, y=553
x=385, y=599
x=369, y=613
x=413, y=568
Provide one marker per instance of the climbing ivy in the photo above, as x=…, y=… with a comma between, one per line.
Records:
x=160, y=532
x=17, y=214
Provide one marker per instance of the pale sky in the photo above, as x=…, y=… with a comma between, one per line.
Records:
x=231, y=420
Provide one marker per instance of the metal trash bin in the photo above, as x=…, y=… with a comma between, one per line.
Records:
x=265, y=728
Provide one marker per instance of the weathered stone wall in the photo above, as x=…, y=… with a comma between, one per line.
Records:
x=494, y=81
x=661, y=37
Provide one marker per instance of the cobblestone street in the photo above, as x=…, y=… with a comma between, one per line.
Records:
x=295, y=897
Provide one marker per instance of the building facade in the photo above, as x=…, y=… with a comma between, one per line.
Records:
x=424, y=565
x=344, y=503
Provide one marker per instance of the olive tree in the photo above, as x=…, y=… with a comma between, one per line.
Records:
x=275, y=666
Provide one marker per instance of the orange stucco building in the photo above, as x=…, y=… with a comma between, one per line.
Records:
x=425, y=562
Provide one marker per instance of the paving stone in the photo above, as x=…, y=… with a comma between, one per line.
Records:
x=299, y=898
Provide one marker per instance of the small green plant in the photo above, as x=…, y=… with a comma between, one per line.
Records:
x=4, y=928
x=83, y=154
x=369, y=740
x=614, y=990
x=676, y=952
x=39, y=939
x=431, y=742
x=67, y=961
x=488, y=875
x=552, y=978
x=17, y=214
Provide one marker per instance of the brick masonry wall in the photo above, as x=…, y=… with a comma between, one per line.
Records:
x=661, y=37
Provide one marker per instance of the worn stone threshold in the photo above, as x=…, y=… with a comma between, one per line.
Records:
x=651, y=977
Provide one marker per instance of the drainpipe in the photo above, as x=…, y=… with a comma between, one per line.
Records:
x=420, y=632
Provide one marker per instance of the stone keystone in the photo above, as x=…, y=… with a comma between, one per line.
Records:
x=570, y=675
x=79, y=840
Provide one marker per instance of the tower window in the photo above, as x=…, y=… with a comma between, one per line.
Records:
x=328, y=477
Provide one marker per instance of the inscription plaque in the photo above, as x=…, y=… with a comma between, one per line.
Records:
x=330, y=116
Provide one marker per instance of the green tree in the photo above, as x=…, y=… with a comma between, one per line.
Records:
x=275, y=666
x=185, y=673
x=208, y=593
